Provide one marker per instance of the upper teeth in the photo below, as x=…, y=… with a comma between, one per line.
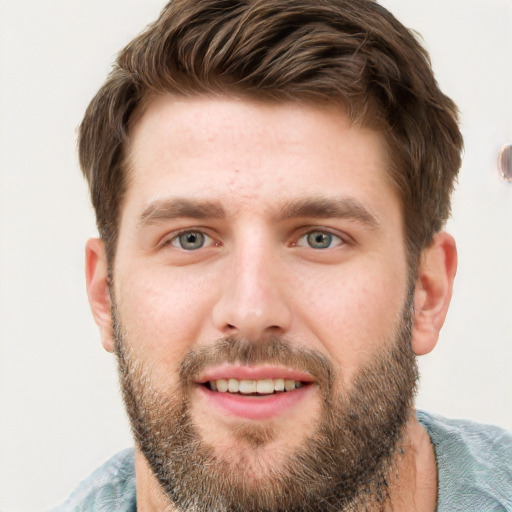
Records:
x=247, y=387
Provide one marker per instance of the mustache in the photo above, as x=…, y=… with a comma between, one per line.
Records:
x=272, y=350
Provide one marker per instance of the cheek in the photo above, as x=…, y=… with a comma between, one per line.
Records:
x=351, y=312
x=161, y=314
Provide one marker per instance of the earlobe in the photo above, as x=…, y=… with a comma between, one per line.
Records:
x=96, y=273
x=433, y=292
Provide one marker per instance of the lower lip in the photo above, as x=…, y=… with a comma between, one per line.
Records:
x=256, y=407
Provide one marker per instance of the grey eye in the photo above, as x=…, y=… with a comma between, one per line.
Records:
x=319, y=240
x=190, y=240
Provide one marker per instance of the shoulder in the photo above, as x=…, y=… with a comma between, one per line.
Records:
x=110, y=488
x=474, y=464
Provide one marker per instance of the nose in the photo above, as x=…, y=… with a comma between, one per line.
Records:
x=253, y=301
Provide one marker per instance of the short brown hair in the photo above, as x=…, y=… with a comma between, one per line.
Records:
x=352, y=52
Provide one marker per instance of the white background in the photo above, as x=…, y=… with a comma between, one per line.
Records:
x=60, y=410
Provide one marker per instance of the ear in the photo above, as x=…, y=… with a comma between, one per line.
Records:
x=433, y=291
x=96, y=273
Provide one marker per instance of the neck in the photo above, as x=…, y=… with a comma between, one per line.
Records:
x=150, y=497
x=412, y=484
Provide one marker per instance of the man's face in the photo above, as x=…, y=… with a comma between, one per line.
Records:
x=261, y=248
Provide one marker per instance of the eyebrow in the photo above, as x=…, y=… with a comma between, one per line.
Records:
x=178, y=208
x=328, y=207
x=309, y=207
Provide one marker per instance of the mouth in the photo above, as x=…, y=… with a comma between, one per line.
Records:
x=254, y=393
x=261, y=387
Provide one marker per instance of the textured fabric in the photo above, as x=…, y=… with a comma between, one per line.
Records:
x=111, y=488
x=474, y=469
x=474, y=464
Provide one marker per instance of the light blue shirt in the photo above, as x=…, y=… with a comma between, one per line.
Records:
x=474, y=464
x=474, y=472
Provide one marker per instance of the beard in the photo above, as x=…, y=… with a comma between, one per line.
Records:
x=345, y=464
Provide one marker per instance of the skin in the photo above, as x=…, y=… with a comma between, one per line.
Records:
x=256, y=275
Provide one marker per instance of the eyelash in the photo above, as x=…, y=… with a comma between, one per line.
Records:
x=174, y=241
x=322, y=232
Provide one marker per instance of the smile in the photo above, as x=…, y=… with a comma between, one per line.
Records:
x=254, y=387
x=256, y=393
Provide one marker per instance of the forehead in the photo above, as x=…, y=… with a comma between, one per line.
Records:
x=253, y=154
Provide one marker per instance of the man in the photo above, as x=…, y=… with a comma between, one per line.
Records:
x=271, y=181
